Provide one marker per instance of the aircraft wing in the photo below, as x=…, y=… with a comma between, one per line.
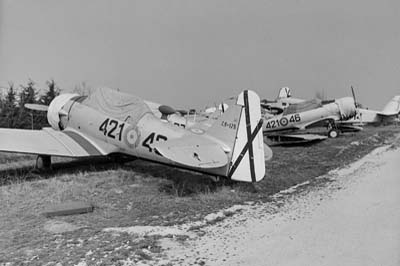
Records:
x=387, y=114
x=292, y=139
x=47, y=141
x=347, y=127
x=320, y=123
x=193, y=151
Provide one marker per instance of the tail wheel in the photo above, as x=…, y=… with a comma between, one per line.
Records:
x=43, y=162
x=333, y=133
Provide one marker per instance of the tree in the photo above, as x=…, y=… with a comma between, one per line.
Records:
x=28, y=94
x=52, y=92
x=40, y=118
x=14, y=114
x=9, y=111
x=83, y=89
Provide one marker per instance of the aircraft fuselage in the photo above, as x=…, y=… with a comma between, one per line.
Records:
x=340, y=109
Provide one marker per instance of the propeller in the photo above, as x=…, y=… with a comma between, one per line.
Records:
x=36, y=107
x=354, y=95
x=356, y=104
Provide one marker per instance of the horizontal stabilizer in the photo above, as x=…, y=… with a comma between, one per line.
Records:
x=193, y=152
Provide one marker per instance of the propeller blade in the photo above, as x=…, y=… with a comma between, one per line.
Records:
x=36, y=107
x=354, y=96
x=356, y=105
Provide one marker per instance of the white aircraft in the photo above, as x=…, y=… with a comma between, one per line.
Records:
x=283, y=128
x=110, y=122
x=203, y=119
x=364, y=116
x=388, y=114
x=283, y=100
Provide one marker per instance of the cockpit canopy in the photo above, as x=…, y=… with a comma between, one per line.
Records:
x=120, y=105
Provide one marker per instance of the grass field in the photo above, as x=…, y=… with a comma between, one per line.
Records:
x=142, y=193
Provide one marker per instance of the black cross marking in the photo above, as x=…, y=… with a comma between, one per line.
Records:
x=250, y=138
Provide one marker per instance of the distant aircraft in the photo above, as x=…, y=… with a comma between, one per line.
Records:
x=283, y=128
x=364, y=116
x=110, y=122
x=202, y=119
x=283, y=100
x=388, y=114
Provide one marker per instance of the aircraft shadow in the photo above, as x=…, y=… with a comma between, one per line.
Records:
x=182, y=182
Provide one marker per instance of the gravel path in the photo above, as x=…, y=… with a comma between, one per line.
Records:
x=354, y=220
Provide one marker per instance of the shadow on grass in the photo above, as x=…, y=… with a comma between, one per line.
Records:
x=182, y=182
x=289, y=166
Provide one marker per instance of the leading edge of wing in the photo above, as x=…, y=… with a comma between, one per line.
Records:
x=193, y=151
x=49, y=142
x=307, y=137
x=387, y=114
x=293, y=139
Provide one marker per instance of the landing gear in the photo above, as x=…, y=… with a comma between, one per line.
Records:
x=333, y=133
x=43, y=162
x=214, y=179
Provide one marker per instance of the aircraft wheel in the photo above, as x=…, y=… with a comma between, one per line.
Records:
x=43, y=162
x=333, y=133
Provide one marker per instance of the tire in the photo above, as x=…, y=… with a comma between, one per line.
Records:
x=43, y=162
x=333, y=133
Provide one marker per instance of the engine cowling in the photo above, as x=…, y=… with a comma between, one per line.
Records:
x=347, y=107
x=55, y=111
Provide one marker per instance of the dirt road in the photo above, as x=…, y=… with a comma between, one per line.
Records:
x=354, y=220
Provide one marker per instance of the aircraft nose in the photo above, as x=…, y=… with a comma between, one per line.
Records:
x=347, y=107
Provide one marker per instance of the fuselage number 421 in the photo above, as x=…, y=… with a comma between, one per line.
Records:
x=112, y=128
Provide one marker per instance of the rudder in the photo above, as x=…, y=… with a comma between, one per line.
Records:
x=240, y=127
x=392, y=107
x=284, y=92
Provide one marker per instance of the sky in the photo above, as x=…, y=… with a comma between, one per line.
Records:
x=195, y=53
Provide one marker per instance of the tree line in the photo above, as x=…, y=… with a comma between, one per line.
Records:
x=13, y=113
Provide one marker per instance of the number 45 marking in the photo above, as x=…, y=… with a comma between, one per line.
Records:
x=150, y=139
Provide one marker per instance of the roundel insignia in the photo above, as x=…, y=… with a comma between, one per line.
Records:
x=197, y=130
x=284, y=121
x=131, y=137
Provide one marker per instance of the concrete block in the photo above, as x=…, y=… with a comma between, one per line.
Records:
x=68, y=208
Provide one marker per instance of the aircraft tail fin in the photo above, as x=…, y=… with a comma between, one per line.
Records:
x=392, y=107
x=284, y=93
x=240, y=128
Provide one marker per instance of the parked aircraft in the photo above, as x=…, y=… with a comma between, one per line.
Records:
x=180, y=118
x=202, y=119
x=305, y=115
x=110, y=122
x=283, y=100
x=365, y=116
